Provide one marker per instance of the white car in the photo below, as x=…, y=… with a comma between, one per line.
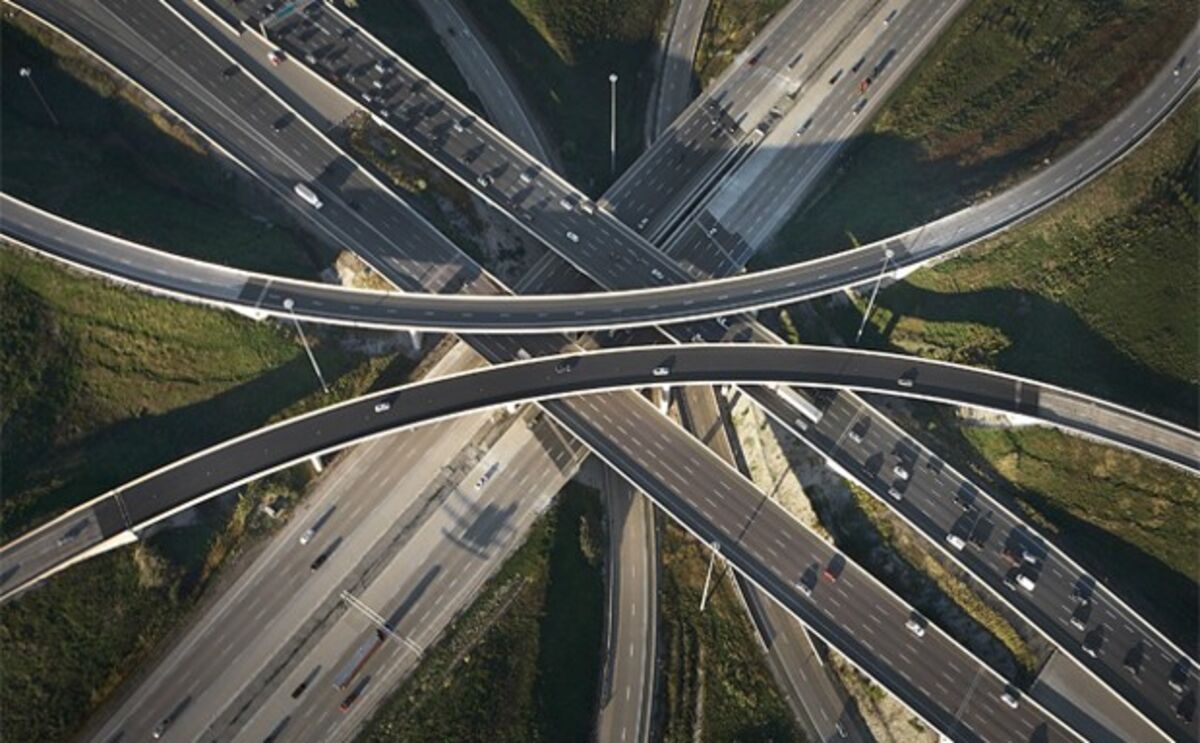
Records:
x=894, y=493
x=915, y=626
x=307, y=536
x=657, y=274
x=900, y=472
x=1010, y=698
x=275, y=57
x=1024, y=581
x=660, y=371
x=905, y=382
x=382, y=407
x=956, y=541
x=566, y=204
x=572, y=236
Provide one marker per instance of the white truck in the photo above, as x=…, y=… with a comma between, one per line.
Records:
x=303, y=191
x=800, y=405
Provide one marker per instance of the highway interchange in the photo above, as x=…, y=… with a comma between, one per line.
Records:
x=577, y=424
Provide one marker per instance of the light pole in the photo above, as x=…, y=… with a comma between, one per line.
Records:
x=289, y=305
x=612, y=129
x=27, y=73
x=716, y=550
x=887, y=256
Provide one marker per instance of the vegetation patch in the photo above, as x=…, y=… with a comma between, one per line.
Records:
x=904, y=562
x=1005, y=87
x=715, y=684
x=563, y=52
x=114, y=162
x=134, y=381
x=1097, y=294
x=441, y=199
x=523, y=662
x=1130, y=521
x=729, y=27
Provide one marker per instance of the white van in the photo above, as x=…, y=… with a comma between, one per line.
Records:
x=303, y=191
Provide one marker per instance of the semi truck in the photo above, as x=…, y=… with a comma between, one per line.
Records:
x=359, y=659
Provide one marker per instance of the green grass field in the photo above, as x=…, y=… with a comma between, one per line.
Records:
x=133, y=381
x=99, y=385
x=712, y=654
x=563, y=51
x=523, y=662
x=1007, y=85
x=1097, y=294
x=109, y=166
x=1130, y=521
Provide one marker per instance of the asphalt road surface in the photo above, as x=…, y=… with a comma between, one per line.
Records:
x=630, y=657
x=675, y=83
x=996, y=546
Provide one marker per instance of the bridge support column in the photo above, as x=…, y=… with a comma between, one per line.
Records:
x=414, y=336
x=664, y=398
x=316, y=464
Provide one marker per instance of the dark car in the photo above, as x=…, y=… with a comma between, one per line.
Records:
x=1093, y=640
x=834, y=569
x=283, y=122
x=1178, y=680
x=808, y=581
x=1135, y=656
x=1186, y=710
x=566, y=365
x=317, y=563
x=1079, y=617
x=229, y=72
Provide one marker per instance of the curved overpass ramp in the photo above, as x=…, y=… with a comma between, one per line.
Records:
x=152, y=498
x=197, y=280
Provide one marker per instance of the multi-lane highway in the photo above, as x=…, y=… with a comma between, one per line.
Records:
x=942, y=683
x=674, y=80
x=282, y=297
x=593, y=438
x=488, y=77
x=164, y=492
x=627, y=689
x=817, y=700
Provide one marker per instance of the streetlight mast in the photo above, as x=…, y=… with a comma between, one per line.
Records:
x=27, y=73
x=289, y=304
x=612, y=129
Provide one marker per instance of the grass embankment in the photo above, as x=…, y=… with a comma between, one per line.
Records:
x=405, y=29
x=1006, y=86
x=99, y=385
x=1098, y=294
x=714, y=683
x=729, y=26
x=108, y=164
x=523, y=662
x=871, y=536
x=563, y=51
x=441, y=199
x=1132, y=522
